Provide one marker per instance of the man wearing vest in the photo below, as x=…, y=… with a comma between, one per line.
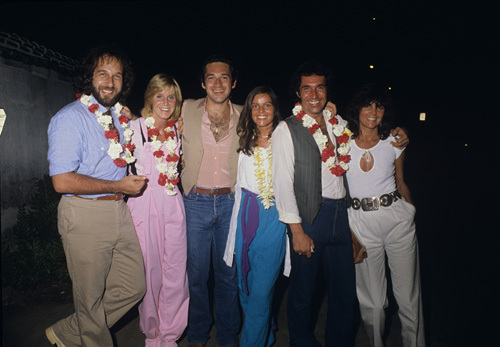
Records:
x=309, y=160
x=208, y=178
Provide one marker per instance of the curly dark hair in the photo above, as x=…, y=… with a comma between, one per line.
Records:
x=218, y=59
x=309, y=68
x=369, y=93
x=82, y=81
x=246, y=127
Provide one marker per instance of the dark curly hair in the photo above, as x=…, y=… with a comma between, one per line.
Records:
x=309, y=68
x=371, y=92
x=82, y=81
x=246, y=127
x=218, y=59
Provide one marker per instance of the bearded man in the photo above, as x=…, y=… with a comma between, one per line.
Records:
x=88, y=154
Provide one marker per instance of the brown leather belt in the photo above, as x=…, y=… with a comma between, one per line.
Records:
x=214, y=191
x=114, y=197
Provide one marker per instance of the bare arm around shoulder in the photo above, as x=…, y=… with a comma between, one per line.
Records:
x=128, y=113
x=400, y=182
x=401, y=135
x=73, y=183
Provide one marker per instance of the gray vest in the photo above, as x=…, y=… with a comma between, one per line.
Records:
x=307, y=179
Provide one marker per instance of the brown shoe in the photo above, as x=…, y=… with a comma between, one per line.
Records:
x=197, y=345
x=237, y=345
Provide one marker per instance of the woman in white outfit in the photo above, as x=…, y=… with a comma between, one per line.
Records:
x=382, y=216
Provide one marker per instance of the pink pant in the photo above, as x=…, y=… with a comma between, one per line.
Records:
x=160, y=223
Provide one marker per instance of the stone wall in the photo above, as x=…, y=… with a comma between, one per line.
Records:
x=31, y=92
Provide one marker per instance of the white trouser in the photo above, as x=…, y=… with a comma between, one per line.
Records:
x=389, y=230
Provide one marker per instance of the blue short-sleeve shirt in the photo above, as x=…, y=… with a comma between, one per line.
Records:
x=77, y=144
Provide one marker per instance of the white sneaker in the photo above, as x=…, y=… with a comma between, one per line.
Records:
x=54, y=340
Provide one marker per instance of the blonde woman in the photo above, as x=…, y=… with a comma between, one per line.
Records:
x=158, y=214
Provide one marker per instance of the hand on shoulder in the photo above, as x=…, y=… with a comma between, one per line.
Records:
x=401, y=136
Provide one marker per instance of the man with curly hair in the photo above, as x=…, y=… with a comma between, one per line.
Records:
x=88, y=166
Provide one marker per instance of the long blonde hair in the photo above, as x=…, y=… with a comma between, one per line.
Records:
x=162, y=82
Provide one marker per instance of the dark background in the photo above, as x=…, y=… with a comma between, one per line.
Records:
x=438, y=57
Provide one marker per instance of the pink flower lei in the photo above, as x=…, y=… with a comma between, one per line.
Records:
x=337, y=165
x=115, y=149
x=166, y=164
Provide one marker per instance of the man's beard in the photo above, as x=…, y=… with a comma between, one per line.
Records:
x=106, y=102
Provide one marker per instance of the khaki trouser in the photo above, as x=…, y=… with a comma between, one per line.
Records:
x=105, y=264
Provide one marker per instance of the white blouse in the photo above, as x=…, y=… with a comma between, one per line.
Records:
x=380, y=179
x=246, y=179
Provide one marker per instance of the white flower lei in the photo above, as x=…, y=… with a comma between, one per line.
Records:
x=115, y=148
x=264, y=177
x=337, y=165
x=165, y=167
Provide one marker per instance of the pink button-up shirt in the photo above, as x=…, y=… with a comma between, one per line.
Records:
x=214, y=169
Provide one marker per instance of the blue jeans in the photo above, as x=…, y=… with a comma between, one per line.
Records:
x=333, y=250
x=207, y=221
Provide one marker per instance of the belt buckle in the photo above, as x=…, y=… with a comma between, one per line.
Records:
x=386, y=200
x=370, y=204
x=355, y=203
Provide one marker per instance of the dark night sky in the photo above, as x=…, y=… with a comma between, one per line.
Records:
x=439, y=57
x=433, y=54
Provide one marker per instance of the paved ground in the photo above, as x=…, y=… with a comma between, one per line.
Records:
x=24, y=325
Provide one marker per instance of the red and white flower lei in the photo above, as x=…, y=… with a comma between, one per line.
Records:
x=115, y=148
x=166, y=164
x=336, y=165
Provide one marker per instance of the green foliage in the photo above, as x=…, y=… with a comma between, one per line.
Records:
x=35, y=256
